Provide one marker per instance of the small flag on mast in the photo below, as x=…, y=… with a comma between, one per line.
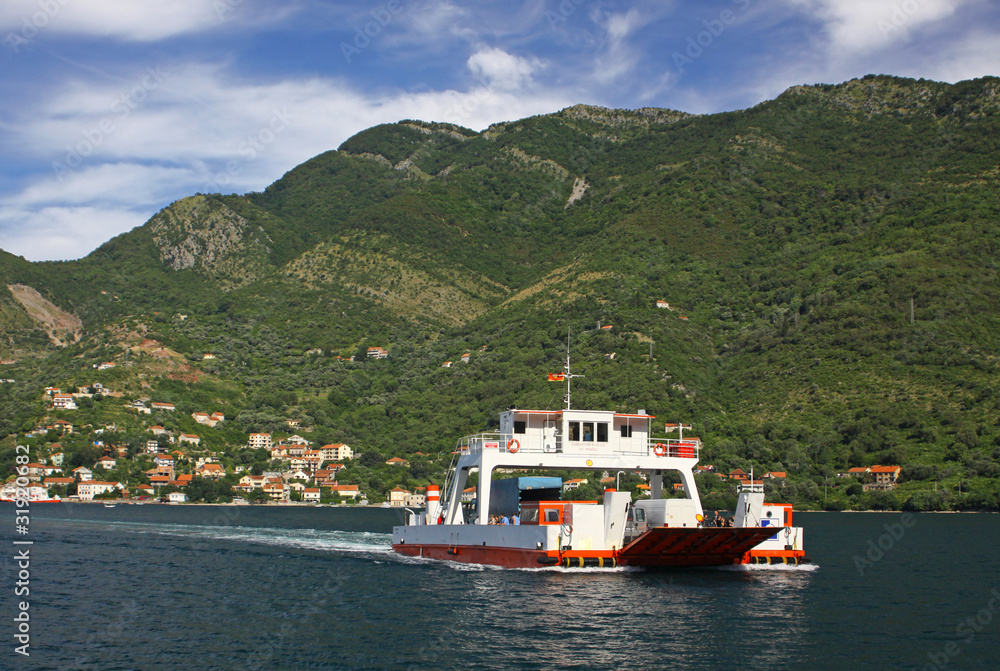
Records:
x=557, y=377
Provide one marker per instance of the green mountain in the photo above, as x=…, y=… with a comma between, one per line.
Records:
x=830, y=255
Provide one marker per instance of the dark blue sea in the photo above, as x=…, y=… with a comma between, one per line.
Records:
x=201, y=587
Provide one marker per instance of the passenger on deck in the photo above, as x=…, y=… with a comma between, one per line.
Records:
x=717, y=521
x=729, y=521
x=515, y=520
x=504, y=520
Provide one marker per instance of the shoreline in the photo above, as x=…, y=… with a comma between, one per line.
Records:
x=299, y=504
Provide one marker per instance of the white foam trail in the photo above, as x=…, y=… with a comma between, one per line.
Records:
x=361, y=542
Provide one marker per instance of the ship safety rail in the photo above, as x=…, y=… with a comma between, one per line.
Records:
x=478, y=442
x=686, y=448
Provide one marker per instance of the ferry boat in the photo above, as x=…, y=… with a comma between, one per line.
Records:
x=616, y=531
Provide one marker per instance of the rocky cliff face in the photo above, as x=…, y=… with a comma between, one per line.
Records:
x=62, y=327
x=204, y=234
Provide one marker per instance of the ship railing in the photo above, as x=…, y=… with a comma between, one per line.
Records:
x=684, y=448
x=476, y=443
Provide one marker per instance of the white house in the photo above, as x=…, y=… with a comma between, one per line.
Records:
x=64, y=402
x=84, y=473
x=177, y=497
x=88, y=490
x=336, y=452
x=259, y=440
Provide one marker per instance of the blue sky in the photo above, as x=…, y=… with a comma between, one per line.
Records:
x=112, y=109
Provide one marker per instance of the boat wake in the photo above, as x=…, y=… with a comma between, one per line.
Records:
x=769, y=567
x=349, y=542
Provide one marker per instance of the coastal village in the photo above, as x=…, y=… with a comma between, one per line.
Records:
x=169, y=464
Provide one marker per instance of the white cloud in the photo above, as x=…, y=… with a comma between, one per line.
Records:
x=618, y=57
x=199, y=131
x=500, y=70
x=139, y=21
x=64, y=232
x=858, y=27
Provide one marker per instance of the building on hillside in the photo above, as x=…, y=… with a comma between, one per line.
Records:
x=346, y=491
x=574, y=483
x=88, y=490
x=177, y=497
x=397, y=497
x=63, y=426
x=739, y=475
x=417, y=499
x=189, y=438
x=276, y=489
x=166, y=407
x=311, y=494
x=886, y=477
x=377, y=353
x=258, y=441
x=213, y=471
x=775, y=475
x=64, y=402
x=336, y=452
x=397, y=461
x=107, y=463
x=83, y=473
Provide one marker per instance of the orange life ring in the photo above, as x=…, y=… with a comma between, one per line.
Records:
x=516, y=445
x=660, y=449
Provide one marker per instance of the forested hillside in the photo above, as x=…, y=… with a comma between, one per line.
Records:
x=830, y=258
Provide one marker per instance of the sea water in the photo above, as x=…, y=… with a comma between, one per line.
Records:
x=239, y=587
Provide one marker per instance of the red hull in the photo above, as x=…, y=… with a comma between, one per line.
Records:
x=663, y=547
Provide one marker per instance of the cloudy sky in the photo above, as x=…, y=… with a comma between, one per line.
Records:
x=113, y=109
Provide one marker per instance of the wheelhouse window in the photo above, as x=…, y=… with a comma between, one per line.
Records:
x=626, y=431
x=589, y=431
x=602, y=432
x=520, y=426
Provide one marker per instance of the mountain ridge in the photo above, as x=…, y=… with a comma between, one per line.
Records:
x=791, y=239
